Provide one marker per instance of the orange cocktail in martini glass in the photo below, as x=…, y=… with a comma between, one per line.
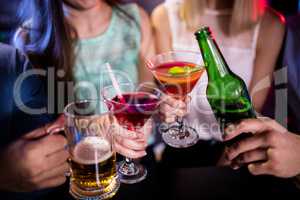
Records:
x=177, y=74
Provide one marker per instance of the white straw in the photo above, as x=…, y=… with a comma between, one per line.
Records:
x=114, y=80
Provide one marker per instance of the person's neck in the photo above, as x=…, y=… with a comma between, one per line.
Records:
x=89, y=23
x=219, y=4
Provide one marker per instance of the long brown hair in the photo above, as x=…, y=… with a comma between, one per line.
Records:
x=45, y=35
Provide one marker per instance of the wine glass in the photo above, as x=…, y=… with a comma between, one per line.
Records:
x=132, y=110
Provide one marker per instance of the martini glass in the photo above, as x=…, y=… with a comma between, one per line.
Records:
x=132, y=111
x=177, y=73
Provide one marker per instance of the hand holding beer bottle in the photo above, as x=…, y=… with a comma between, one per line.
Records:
x=272, y=150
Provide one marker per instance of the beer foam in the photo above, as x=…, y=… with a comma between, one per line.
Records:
x=91, y=150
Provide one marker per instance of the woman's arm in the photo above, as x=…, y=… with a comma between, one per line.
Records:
x=161, y=29
x=269, y=44
x=147, y=48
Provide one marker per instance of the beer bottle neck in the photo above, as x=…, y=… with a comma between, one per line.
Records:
x=213, y=59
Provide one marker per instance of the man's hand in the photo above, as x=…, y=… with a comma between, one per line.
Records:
x=35, y=161
x=271, y=150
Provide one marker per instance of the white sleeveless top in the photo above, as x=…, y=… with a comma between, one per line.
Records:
x=239, y=52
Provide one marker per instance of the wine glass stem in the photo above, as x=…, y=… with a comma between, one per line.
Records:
x=180, y=122
x=128, y=160
x=128, y=167
x=183, y=133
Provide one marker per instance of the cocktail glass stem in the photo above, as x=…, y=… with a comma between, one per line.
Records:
x=182, y=132
x=128, y=167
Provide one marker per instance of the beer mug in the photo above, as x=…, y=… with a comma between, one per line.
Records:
x=92, y=157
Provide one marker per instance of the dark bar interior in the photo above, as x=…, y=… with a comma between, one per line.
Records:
x=149, y=99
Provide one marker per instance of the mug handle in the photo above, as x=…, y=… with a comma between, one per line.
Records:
x=61, y=131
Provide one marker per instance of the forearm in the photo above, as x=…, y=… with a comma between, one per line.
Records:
x=144, y=74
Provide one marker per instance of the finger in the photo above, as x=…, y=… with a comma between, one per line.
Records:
x=173, y=102
x=119, y=131
x=188, y=99
x=45, y=130
x=273, y=124
x=170, y=119
x=128, y=152
x=168, y=110
x=52, y=182
x=51, y=144
x=257, y=155
x=132, y=144
x=147, y=129
x=37, y=133
x=58, y=124
x=245, y=145
x=246, y=126
x=58, y=157
x=259, y=168
x=57, y=171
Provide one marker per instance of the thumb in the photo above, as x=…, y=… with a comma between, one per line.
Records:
x=56, y=126
x=259, y=168
x=45, y=130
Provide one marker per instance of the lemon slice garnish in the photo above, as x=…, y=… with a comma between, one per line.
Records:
x=176, y=70
x=183, y=70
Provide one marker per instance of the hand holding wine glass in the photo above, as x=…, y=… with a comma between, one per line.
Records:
x=132, y=109
x=132, y=144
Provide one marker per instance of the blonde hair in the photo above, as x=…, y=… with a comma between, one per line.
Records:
x=245, y=13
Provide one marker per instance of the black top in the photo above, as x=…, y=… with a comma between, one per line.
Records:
x=9, y=21
x=291, y=60
x=14, y=120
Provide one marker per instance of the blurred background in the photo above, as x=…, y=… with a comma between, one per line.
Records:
x=9, y=19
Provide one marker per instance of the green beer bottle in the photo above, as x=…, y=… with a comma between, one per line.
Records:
x=226, y=92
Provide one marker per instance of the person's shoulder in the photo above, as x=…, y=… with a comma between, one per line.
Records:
x=135, y=12
x=132, y=9
x=273, y=20
x=272, y=28
x=143, y=15
x=159, y=15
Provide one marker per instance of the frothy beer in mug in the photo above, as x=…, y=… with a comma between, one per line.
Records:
x=93, y=164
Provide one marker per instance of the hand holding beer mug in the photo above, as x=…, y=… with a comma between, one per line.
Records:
x=93, y=159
